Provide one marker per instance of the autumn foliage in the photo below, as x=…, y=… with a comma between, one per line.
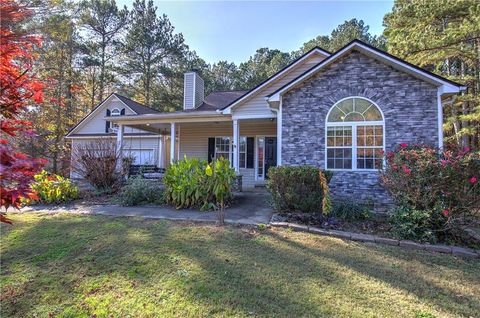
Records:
x=18, y=89
x=440, y=188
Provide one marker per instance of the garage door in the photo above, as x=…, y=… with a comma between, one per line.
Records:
x=140, y=156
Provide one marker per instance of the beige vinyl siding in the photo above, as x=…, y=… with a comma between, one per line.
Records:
x=199, y=90
x=194, y=137
x=188, y=89
x=95, y=124
x=257, y=106
x=129, y=143
x=194, y=140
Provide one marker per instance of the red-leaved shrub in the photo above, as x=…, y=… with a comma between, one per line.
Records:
x=444, y=183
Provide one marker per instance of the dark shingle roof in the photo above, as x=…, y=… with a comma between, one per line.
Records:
x=136, y=107
x=218, y=100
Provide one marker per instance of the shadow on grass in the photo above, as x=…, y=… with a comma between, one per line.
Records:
x=66, y=262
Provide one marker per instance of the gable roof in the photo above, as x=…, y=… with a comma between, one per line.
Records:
x=369, y=50
x=316, y=49
x=135, y=107
x=218, y=100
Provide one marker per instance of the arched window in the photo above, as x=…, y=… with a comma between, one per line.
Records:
x=355, y=131
x=115, y=112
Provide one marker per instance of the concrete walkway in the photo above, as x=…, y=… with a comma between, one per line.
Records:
x=247, y=208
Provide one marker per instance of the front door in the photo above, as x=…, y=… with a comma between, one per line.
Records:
x=270, y=153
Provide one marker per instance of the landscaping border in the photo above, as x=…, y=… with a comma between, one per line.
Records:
x=454, y=250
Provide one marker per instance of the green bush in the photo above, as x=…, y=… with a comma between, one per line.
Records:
x=349, y=211
x=140, y=191
x=195, y=183
x=413, y=224
x=299, y=188
x=52, y=189
x=436, y=192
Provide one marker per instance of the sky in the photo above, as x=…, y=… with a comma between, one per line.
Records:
x=232, y=31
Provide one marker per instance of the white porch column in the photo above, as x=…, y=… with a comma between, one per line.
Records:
x=279, y=134
x=160, y=152
x=120, y=131
x=236, y=145
x=172, y=142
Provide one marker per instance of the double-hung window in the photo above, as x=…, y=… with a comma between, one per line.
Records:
x=224, y=148
x=355, y=135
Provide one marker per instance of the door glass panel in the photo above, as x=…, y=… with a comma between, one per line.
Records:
x=260, y=156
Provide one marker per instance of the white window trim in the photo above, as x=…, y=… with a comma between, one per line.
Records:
x=114, y=126
x=230, y=152
x=354, y=125
x=116, y=110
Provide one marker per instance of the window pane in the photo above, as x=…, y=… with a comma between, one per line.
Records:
x=368, y=163
x=346, y=106
x=361, y=105
x=354, y=110
x=369, y=141
x=347, y=156
x=354, y=116
x=372, y=114
x=222, y=147
x=330, y=164
x=242, y=152
x=360, y=163
x=348, y=141
x=339, y=158
x=339, y=141
x=330, y=141
x=335, y=115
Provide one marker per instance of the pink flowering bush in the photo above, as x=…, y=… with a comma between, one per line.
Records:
x=443, y=185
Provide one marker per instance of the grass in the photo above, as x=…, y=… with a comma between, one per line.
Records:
x=91, y=266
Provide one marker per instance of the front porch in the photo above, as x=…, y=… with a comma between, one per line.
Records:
x=251, y=145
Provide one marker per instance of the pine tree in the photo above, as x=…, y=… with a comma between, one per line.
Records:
x=150, y=49
x=444, y=37
x=341, y=35
x=104, y=23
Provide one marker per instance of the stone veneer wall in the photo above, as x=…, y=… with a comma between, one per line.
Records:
x=408, y=104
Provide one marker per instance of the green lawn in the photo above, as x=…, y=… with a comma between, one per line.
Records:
x=86, y=266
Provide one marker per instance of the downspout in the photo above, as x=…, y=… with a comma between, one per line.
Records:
x=440, y=118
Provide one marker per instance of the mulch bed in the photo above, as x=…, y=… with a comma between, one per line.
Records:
x=94, y=198
x=376, y=225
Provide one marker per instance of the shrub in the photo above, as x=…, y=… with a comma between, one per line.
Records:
x=51, y=188
x=420, y=178
x=418, y=225
x=349, y=211
x=97, y=162
x=299, y=188
x=140, y=191
x=195, y=183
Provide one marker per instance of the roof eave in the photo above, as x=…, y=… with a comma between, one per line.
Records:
x=447, y=86
x=227, y=109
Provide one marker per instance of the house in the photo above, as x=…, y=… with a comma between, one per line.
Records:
x=338, y=111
